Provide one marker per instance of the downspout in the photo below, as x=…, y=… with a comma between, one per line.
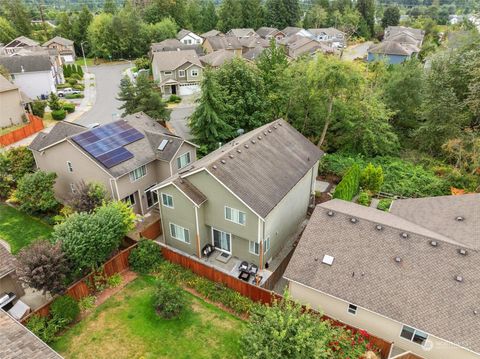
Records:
x=161, y=218
x=197, y=235
x=140, y=199
x=111, y=187
x=260, y=239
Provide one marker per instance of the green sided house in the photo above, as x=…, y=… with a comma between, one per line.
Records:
x=247, y=198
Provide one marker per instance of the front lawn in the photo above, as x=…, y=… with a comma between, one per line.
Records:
x=127, y=326
x=20, y=229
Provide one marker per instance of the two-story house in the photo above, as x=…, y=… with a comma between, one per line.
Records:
x=11, y=103
x=128, y=157
x=21, y=42
x=228, y=43
x=65, y=48
x=188, y=37
x=331, y=35
x=177, y=72
x=246, y=198
x=268, y=33
x=242, y=33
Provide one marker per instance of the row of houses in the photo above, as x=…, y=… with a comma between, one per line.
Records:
x=177, y=64
x=36, y=69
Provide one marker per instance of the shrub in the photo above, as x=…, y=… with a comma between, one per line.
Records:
x=145, y=257
x=114, y=280
x=63, y=86
x=142, y=63
x=364, y=199
x=69, y=107
x=67, y=70
x=38, y=108
x=71, y=81
x=384, y=204
x=349, y=185
x=87, y=196
x=59, y=115
x=42, y=327
x=87, y=303
x=169, y=300
x=54, y=102
x=72, y=96
x=76, y=76
x=372, y=178
x=64, y=310
x=80, y=71
x=79, y=87
x=174, y=99
x=35, y=192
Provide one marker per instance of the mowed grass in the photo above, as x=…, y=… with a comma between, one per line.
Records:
x=127, y=326
x=20, y=229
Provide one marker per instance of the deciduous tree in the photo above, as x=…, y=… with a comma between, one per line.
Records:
x=391, y=16
x=35, y=192
x=87, y=196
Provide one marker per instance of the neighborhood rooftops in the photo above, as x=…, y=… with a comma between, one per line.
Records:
x=329, y=31
x=174, y=45
x=182, y=33
x=224, y=42
x=211, y=33
x=59, y=40
x=17, y=342
x=143, y=150
x=217, y=58
x=263, y=32
x=393, y=48
x=394, y=30
x=242, y=32
x=22, y=41
x=26, y=63
x=384, y=265
x=171, y=60
x=261, y=166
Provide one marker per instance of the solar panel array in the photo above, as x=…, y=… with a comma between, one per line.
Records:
x=105, y=143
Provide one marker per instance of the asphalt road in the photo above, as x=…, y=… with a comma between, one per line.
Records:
x=105, y=109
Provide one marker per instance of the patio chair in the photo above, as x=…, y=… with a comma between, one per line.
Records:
x=243, y=267
x=207, y=250
x=19, y=310
x=253, y=270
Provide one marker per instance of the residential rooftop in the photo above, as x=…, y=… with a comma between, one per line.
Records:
x=59, y=40
x=171, y=60
x=16, y=64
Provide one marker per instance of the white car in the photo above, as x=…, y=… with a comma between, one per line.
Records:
x=67, y=91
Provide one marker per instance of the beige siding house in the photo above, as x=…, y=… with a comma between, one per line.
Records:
x=177, y=72
x=246, y=199
x=228, y=43
x=155, y=155
x=65, y=48
x=10, y=103
x=402, y=277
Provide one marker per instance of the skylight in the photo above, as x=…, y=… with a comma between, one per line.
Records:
x=162, y=145
x=328, y=259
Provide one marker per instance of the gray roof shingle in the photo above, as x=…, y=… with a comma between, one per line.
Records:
x=6, y=85
x=217, y=58
x=190, y=190
x=420, y=291
x=224, y=42
x=59, y=40
x=17, y=342
x=28, y=63
x=7, y=262
x=263, y=32
x=171, y=60
x=58, y=133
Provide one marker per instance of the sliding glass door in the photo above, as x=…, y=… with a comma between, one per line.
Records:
x=222, y=240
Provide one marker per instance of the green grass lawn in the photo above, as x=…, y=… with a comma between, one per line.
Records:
x=19, y=229
x=127, y=326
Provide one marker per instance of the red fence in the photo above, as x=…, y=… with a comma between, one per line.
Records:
x=253, y=292
x=153, y=231
x=35, y=125
x=83, y=288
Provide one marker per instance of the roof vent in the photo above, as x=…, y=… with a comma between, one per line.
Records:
x=264, y=133
x=434, y=243
x=254, y=142
x=280, y=124
x=404, y=235
x=137, y=115
x=269, y=130
x=223, y=161
x=274, y=127
x=459, y=219
x=330, y=213
x=459, y=278
x=246, y=146
x=398, y=259
x=462, y=251
x=378, y=227
x=239, y=150
x=475, y=311
x=328, y=259
x=214, y=167
x=230, y=155
x=259, y=137
x=353, y=220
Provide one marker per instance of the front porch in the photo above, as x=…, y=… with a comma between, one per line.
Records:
x=169, y=87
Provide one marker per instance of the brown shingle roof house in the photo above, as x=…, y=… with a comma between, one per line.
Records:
x=127, y=156
x=17, y=342
x=397, y=275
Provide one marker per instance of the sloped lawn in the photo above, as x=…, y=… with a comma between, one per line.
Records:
x=126, y=326
x=20, y=229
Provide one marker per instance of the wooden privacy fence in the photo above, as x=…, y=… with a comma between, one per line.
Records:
x=253, y=292
x=83, y=287
x=35, y=125
x=278, y=273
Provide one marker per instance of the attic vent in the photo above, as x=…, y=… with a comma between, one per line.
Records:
x=246, y=146
x=223, y=161
x=459, y=278
x=459, y=219
x=137, y=116
x=280, y=124
x=462, y=251
x=254, y=142
x=328, y=259
x=239, y=150
x=259, y=137
x=398, y=259
x=162, y=145
x=353, y=220
x=475, y=311
x=230, y=155
x=264, y=133
x=404, y=235
x=378, y=227
x=214, y=167
x=330, y=213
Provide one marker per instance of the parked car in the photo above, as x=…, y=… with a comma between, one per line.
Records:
x=67, y=91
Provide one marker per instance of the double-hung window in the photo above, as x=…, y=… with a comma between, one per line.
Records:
x=152, y=197
x=414, y=335
x=254, y=247
x=138, y=173
x=194, y=72
x=234, y=215
x=181, y=73
x=183, y=160
x=167, y=200
x=180, y=233
x=352, y=309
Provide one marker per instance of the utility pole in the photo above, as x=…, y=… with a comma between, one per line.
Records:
x=84, y=59
x=40, y=6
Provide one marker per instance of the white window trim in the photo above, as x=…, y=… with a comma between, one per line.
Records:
x=183, y=229
x=249, y=248
x=165, y=205
x=180, y=73
x=414, y=331
x=69, y=166
x=179, y=157
x=355, y=311
x=231, y=220
x=213, y=241
x=191, y=72
x=158, y=199
x=139, y=178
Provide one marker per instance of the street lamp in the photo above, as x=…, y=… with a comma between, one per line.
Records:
x=83, y=53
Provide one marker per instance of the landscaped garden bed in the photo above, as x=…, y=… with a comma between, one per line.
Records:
x=127, y=326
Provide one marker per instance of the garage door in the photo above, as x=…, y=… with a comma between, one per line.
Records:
x=188, y=89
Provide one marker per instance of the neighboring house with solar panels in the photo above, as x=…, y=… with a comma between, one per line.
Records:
x=410, y=276
x=128, y=157
x=247, y=198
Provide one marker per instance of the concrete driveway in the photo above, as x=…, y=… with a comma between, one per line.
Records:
x=107, y=82
x=358, y=51
x=179, y=116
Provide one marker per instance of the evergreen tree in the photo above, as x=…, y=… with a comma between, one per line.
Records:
x=110, y=7
x=391, y=16
x=253, y=13
x=209, y=18
x=194, y=15
x=7, y=32
x=367, y=10
x=127, y=96
x=79, y=28
x=282, y=13
x=230, y=15
x=64, y=26
x=18, y=15
x=207, y=123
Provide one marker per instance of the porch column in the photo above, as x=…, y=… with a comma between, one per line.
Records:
x=197, y=233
